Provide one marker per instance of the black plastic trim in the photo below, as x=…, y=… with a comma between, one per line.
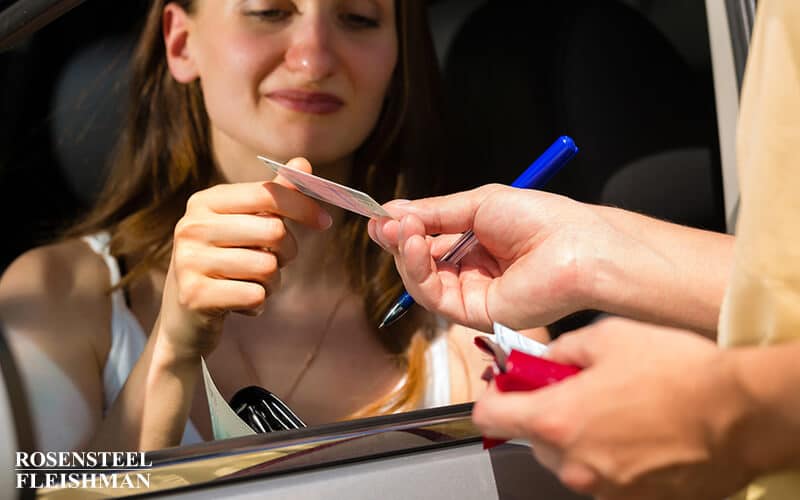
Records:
x=741, y=16
x=24, y=17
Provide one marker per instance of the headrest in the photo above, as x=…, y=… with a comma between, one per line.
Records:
x=678, y=185
x=88, y=111
x=519, y=74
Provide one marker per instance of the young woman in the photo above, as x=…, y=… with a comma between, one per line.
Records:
x=192, y=228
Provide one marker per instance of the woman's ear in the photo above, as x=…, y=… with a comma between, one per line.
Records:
x=175, y=26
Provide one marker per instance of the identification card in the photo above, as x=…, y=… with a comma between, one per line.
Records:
x=328, y=191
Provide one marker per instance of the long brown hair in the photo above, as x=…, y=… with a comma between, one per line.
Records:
x=164, y=155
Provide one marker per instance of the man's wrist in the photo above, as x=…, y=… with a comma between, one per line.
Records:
x=644, y=271
x=617, y=268
x=768, y=421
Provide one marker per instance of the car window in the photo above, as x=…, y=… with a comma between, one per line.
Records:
x=630, y=81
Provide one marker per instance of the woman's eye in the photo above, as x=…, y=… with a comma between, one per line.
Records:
x=358, y=21
x=271, y=15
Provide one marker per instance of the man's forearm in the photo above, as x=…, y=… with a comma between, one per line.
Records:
x=671, y=274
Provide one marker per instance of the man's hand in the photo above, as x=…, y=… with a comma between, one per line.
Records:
x=653, y=415
x=534, y=263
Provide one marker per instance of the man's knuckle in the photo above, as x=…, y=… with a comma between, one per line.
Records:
x=551, y=427
x=579, y=479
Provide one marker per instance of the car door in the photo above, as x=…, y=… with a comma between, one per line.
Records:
x=432, y=453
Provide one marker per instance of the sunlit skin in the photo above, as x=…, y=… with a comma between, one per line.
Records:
x=656, y=412
x=288, y=78
x=280, y=78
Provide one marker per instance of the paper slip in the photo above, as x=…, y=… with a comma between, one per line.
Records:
x=509, y=339
x=225, y=423
x=329, y=191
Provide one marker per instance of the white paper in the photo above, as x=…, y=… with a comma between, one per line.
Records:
x=224, y=421
x=509, y=339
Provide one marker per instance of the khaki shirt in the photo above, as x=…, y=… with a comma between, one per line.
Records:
x=762, y=303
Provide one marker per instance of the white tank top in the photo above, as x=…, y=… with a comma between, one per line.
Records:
x=127, y=337
x=128, y=340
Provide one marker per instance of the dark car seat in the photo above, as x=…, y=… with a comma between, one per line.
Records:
x=519, y=74
x=88, y=112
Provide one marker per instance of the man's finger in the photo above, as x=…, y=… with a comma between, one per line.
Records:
x=386, y=232
x=580, y=347
x=449, y=214
x=526, y=414
x=416, y=263
x=507, y=415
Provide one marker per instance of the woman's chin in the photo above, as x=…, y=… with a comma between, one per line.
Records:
x=315, y=154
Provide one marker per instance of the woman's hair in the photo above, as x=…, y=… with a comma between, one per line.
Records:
x=164, y=155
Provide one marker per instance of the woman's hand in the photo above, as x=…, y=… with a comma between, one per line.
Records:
x=227, y=252
x=656, y=413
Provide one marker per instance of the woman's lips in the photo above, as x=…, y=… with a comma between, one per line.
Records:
x=307, y=102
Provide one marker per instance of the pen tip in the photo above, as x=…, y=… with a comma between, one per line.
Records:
x=397, y=311
x=393, y=315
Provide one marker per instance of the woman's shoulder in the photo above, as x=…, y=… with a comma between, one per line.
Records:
x=62, y=285
x=68, y=268
x=56, y=313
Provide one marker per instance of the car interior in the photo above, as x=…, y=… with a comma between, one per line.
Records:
x=626, y=80
x=629, y=80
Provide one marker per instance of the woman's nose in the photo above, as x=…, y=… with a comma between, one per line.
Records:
x=310, y=52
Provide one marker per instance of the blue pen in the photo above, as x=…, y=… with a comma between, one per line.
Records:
x=535, y=176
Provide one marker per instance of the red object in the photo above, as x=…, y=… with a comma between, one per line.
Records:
x=523, y=372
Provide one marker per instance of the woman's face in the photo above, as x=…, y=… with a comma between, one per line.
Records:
x=293, y=77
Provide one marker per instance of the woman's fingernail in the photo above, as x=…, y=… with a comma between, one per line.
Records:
x=325, y=220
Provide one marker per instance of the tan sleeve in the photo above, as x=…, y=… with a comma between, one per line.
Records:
x=762, y=303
